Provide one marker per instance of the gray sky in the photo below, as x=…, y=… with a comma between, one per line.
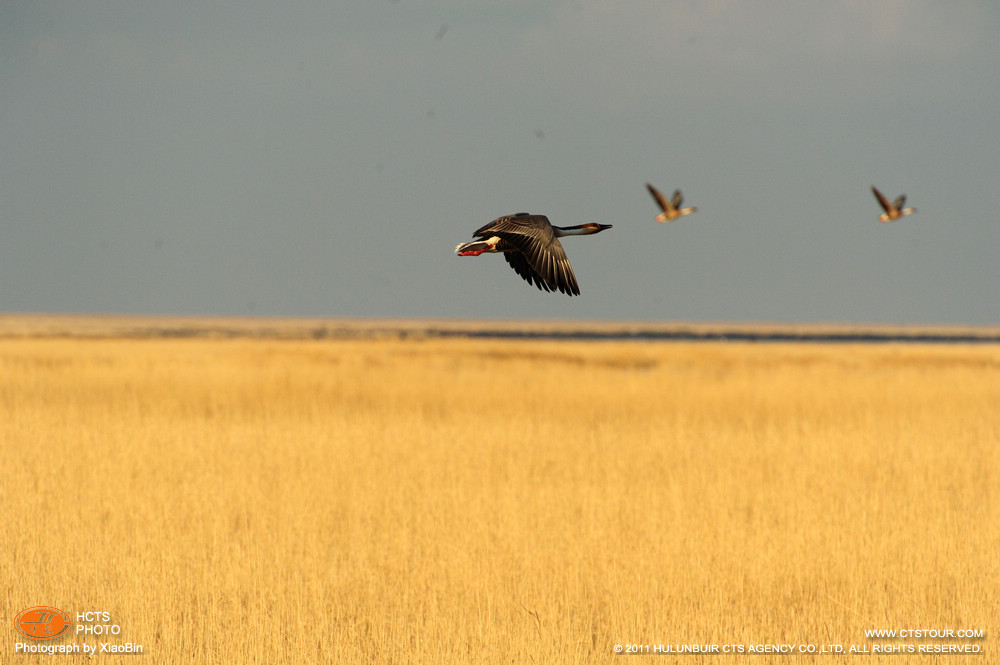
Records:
x=324, y=159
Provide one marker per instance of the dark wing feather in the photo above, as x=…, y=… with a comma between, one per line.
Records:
x=882, y=201
x=659, y=198
x=547, y=263
x=522, y=268
x=678, y=199
x=551, y=263
x=899, y=202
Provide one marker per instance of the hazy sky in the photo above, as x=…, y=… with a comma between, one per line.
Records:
x=324, y=158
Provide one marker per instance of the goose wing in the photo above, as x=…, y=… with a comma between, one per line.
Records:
x=899, y=202
x=678, y=199
x=660, y=199
x=524, y=269
x=884, y=202
x=547, y=264
x=518, y=223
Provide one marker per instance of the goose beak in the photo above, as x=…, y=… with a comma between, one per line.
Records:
x=605, y=227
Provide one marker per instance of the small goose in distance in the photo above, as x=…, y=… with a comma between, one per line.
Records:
x=671, y=208
x=894, y=210
x=531, y=246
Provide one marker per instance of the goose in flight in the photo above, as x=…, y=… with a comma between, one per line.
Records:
x=532, y=248
x=894, y=210
x=671, y=208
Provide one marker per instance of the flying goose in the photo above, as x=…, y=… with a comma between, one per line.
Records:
x=532, y=248
x=671, y=209
x=894, y=210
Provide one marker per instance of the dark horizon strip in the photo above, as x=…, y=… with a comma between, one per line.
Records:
x=721, y=335
x=713, y=336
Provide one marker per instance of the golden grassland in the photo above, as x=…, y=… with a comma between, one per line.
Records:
x=418, y=501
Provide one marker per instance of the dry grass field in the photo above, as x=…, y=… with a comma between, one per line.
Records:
x=474, y=501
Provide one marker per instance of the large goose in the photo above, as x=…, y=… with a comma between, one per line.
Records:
x=893, y=210
x=671, y=208
x=532, y=248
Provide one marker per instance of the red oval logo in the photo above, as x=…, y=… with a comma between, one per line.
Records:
x=42, y=623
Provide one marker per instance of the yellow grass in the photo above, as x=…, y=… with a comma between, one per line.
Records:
x=385, y=501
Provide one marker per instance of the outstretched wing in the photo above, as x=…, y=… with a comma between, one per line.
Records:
x=678, y=199
x=524, y=269
x=545, y=266
x=882, y=201
x=660, y=199
x=899, y=202
x=506, y=223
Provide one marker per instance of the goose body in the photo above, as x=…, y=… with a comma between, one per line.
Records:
x=894, y=210
x=531, y=246
x=671, y=207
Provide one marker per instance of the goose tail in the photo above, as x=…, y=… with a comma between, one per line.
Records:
x=474, y=248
